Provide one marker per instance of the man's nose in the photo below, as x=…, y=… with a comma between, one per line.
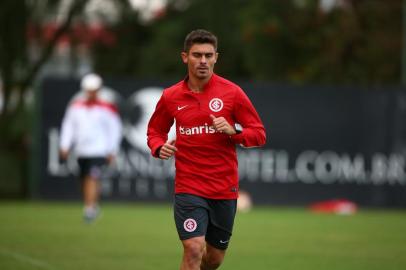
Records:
x=203, y=59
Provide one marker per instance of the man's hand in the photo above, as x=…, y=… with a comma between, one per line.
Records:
x=64, y=154
x=167, y=150
x=110, y=159
x=222, y=126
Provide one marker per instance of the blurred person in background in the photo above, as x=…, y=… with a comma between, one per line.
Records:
x=91, y=129
x=212, y=115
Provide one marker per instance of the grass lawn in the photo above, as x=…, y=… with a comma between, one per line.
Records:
x=52, y=236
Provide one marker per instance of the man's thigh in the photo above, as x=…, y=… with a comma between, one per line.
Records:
x=93, y=166
x=191, y=216
x=221, y=222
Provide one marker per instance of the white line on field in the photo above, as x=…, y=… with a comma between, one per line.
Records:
x=26, y=259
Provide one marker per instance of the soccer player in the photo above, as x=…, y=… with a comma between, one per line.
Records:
x=92, y=129
x=212, y=115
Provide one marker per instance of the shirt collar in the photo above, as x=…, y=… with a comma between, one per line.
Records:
x=206, y=87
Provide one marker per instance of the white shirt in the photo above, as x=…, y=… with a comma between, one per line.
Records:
x=91, y=129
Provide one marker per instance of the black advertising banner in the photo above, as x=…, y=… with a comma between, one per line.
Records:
x=322, y=143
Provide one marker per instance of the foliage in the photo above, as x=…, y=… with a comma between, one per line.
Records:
x=18, y=75
x=283, y=41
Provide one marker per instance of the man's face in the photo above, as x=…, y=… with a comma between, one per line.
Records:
x=92, y=95
x=200, y=60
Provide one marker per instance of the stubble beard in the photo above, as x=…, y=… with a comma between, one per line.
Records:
x=203, y=74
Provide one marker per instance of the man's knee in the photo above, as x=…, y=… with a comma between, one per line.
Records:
x=194, y=248
x=211, y=264
x=213, y=258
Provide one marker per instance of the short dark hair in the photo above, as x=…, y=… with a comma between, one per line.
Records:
x=199, y=36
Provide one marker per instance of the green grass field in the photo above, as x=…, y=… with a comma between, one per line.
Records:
x=52, y=236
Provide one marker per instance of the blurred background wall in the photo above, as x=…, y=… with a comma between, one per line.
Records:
x=328, y=78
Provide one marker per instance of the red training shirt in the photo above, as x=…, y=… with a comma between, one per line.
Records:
x=206, y=160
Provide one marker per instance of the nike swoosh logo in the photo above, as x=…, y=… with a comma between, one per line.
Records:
x=182, y=107
x=223, y=242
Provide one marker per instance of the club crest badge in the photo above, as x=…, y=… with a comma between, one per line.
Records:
x=190, y=225
x=216, y=104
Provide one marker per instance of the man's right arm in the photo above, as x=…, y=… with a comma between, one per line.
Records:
x=167, y=150
x=67, y=132
x=158, y=127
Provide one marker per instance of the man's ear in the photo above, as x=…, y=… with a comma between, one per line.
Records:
x=183, y=55
x=217, y=56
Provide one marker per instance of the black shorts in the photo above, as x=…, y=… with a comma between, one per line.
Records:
x=93, y=166
x=197, y=216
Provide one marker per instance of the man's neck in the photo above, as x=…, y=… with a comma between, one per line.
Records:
x=197, y=85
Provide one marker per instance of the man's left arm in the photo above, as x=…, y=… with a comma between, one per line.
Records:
x=114, y=131
x=253, y=131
